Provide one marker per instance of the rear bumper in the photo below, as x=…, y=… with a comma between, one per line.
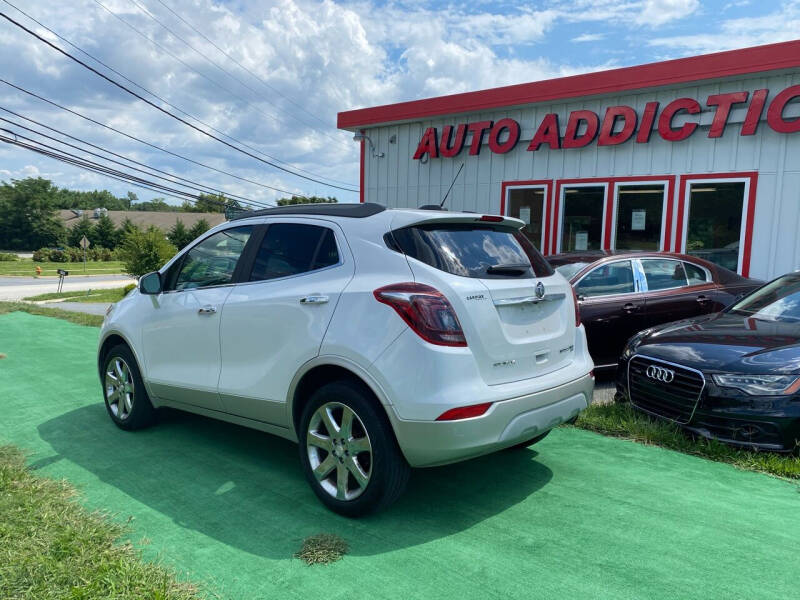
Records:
x=508, y=422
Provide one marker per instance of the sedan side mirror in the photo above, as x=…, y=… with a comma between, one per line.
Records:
x=150, y=283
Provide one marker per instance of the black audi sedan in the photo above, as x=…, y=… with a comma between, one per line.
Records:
x=732, y=375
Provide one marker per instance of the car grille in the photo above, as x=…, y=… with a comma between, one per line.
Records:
x=675, y=399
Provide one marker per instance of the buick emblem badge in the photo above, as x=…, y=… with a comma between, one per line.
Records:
x=540, y=290
x=660, y=374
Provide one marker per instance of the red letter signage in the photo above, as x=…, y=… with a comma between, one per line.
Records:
x=619, y=124
x=571, y=138
x=448, y=151
x=775, y=111
x=607, y=135
x=427, y=144
x=723, y=102
x=513, y=136
x=477, y=130
x=547, y=133
x=665, y=129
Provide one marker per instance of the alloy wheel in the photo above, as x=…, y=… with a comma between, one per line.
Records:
x=339, y=451
x=119, y=388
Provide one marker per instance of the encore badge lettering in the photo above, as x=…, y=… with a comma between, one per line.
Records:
x=660, y=374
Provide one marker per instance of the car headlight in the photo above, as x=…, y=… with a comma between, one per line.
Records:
x=760, y=385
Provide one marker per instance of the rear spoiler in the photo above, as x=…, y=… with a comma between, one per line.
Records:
x=408, y=218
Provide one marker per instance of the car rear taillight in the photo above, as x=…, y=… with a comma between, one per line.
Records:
x=464, y=412
x=577, y=308
x=491, y=218
x=426, y=311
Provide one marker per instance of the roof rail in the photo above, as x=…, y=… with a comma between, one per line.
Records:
x=351, y=209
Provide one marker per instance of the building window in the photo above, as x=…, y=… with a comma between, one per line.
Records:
x=640, y=216
x=582, y=217
x=527, y=204
x=714, y=221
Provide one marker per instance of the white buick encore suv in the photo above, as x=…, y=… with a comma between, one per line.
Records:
x=378, y=339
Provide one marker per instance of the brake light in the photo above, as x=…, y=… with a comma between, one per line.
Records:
x=491, y=218
x=425, y=310
x=577, y=308
x=464, y=412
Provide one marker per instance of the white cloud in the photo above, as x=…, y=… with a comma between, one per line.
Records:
x=780, y=25
x=589, y=37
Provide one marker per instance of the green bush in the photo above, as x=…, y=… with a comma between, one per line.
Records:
x=8, y=257
x=41, y=255
x=56, y=255
x=145, y=251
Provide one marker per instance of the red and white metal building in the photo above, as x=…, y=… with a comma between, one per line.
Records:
x=698, y=155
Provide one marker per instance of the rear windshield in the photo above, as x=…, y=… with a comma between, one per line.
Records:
x=481, y=251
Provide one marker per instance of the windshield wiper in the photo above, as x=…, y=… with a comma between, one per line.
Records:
x=509, y=269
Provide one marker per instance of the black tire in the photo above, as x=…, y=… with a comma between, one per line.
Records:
x=141, y=412
x=530, y=442
x=388, y=469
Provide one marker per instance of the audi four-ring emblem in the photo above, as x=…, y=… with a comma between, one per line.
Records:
x=660, y=374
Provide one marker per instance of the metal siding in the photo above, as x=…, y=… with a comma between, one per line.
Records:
x=397, y=180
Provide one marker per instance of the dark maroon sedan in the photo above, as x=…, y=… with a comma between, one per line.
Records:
x=620, y=294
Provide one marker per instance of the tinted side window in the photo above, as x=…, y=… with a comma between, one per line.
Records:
x=662, y=274
x=213, y=261
x=293, y=248
x=614, y=278
x=695, y=274
x=472, y=250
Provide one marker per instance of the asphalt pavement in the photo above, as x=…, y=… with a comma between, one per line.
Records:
x=16, y=288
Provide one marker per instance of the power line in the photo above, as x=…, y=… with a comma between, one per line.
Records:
x=161, y=99
x=246, y=201
x=240, y=65
x=56, y=156
x=77, y=160
x=163, y=110
x=225, y=71
x=141, y=141
x=190, y=183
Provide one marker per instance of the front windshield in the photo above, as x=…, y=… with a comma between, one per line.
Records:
x=570, y=269
x=779, y=300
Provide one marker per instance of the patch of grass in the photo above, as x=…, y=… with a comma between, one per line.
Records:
x=622, y=421
x=51, y=547
x=323, y=548
x=100, y=295
x=72, y=317
x=26, y=266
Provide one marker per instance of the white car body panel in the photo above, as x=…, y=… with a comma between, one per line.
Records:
x=244, y=362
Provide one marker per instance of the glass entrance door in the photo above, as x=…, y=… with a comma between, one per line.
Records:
x=582, y=218
x=640, y=210
x=527, y=204
x=714, y=225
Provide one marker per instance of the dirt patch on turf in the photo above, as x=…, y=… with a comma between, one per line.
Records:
x=322, y=549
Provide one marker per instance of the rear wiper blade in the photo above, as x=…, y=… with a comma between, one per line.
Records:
x=509, y=269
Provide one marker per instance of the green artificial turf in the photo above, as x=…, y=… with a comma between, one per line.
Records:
x=581, y=516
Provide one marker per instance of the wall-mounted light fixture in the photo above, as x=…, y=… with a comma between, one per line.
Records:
x=359, y=136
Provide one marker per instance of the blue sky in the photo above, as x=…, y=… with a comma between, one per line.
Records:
x=289, y=66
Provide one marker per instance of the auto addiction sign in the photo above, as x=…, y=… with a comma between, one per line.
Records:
x=619, y=124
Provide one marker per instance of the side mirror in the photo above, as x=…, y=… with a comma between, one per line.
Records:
x=150, y=283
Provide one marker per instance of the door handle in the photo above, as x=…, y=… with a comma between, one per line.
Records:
x=314, y=300
x=207, y=310
x=702, y=299
x=630, y=307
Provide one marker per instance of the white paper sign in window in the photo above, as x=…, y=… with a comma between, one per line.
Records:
x=638, y=220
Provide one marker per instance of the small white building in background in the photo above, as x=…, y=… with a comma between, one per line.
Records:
x=698, y=155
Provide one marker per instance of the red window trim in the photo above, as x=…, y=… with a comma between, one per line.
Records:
x=749, y=217
x=548, y=193
x=783, y=55
x=611, y=183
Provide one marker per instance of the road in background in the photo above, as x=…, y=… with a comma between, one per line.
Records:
x=16, y=288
